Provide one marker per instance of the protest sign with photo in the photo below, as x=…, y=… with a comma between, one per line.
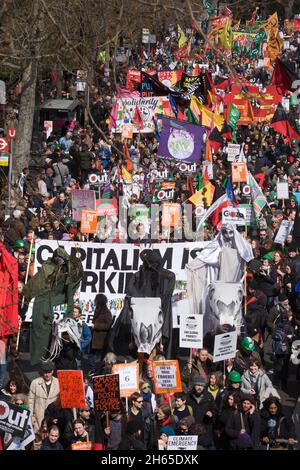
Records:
x=13, y=418
x=82, y=199
x=182, y=443
x=225, y=346
x=285, y=229
x=106, y=392
x=166, y=377
x=239, y=172
x=282, y=189
x=89, y=220
x=71, y=388
x=129, y=377
x=180, y=140
x=191, y=331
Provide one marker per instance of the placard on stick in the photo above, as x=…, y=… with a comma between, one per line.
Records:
x=106, y=392
x=166, y=377
x=225, y=346
x=191, y=331
x=71, y=388
x=129, y=377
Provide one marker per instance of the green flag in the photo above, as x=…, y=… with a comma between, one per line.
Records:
x=234, y=116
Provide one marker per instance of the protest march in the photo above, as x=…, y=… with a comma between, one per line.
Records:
x=149, y=226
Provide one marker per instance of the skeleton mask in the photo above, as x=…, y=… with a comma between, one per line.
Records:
x=146, y=322
x=224, y=303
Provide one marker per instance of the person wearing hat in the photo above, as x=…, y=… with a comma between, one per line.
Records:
x=165, y=432
x=245, y=354
x=43, y=391
x=202, y=404
x=243, y=426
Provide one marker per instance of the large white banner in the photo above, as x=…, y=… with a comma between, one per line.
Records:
x=109, y=266
x=148, y=107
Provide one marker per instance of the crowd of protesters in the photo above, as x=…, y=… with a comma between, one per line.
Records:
x=238, y=407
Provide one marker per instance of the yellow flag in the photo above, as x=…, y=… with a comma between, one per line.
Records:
x=204, y=196
x=274, y=45
x=126, y=175
x=182, y=39
x=209, y=118
x=272, y=22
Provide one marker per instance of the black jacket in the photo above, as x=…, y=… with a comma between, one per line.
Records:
x=284, y=428
x=252, y=426
x=46, y=445
x=201, y=405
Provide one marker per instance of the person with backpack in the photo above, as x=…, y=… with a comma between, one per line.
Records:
x=281, y=349
x=275, y=314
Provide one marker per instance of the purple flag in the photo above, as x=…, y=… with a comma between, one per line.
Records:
x=180, y=140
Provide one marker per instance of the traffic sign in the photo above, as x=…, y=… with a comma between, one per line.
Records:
x=4, y=146
x=12, y=133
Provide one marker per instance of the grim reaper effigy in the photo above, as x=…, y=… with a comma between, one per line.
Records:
x=146, y=316
x=54, y=284
x=214, y=279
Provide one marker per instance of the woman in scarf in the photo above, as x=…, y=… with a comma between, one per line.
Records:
x=256, y=383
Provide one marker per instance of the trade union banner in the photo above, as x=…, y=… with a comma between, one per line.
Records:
x=148, y=106
x=180, y=140
x=108, y=268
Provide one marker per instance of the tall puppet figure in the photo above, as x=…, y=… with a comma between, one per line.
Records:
x=150, y=322
x=54, y=284
x=8, y=293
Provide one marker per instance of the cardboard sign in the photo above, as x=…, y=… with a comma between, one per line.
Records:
x=191, y=331
x=71, y=388
x=282, y=190
x=82, y=446
x=129, y=378
x=249, y=214
x=233, y=152
x=239, y=172
x=166, y=377
x=170, y=214
x=82, y=199
x=106, y=392
x=285, y=229
x=234, y=215
x=89, y=220
x=13, y=418
x=225, y=346
x=106, y=207
x=182, y=443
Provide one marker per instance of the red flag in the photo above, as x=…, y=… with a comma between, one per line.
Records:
x=215, y=139
x=283, y=76
x=137, y=119
x=218, y=211
x=253, y=17
x=190, y=185
x=8, y=293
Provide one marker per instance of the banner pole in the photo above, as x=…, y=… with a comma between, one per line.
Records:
x=74, y=413
x=245, y=278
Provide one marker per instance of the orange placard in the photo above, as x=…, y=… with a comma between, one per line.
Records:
x=82, y=446
x=129, y=378
x=170, y=214
x=239, y=172
x=127, y=131
x=89, y=220
x=166, y=376
x=71, y=388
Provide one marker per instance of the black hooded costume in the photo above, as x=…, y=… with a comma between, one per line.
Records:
x=152, y=280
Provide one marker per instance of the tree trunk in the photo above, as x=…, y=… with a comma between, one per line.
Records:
x=26, y=114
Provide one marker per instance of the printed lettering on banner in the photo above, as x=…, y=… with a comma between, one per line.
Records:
x=191, y=331
x=148, y=106
x=108, y=266
x=129, y=378
x=166, y=376
x=182, y=443
x=234, y=215
x=225, y=346
x=13, y=418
